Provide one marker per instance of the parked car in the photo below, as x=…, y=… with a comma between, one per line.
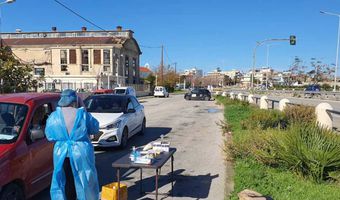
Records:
x=120, y=117
x=160, y=91
x=312, y=90
x=125, y=90
x=198, y=94
x=25, y=154
x=103, y=91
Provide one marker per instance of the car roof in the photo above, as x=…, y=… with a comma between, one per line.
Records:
x=22, y=98
x=122, y=96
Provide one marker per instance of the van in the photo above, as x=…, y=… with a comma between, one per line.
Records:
x=26, y=156
x=125, y=90
x=160, y=91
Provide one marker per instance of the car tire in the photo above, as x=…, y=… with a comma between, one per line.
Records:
x=12, y=192
x=187, y=98
x=206, y=98
x=142, y=131
x=125, y=138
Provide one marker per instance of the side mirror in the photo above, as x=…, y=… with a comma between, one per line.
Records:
x=36, y=134
x=132, y=110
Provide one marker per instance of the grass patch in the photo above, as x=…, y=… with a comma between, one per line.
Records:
x=266, y=169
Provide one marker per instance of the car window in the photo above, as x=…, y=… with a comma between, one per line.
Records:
x=120, y=91
x=40, y=116
x=194, y=91
x=130, y=105
x=12, y=117
x=105, y=104
x=135, y=102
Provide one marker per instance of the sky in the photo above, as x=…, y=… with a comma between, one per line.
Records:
x=197, y=33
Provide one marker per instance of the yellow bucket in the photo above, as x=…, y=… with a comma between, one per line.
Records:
x=110, y=191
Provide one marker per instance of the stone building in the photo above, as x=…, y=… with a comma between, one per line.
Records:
x=78, y=59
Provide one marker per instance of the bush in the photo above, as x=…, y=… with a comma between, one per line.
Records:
x=300, y=114
x=306, y=149
x=264, y=119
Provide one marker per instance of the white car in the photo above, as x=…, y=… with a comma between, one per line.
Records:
x=160, y=91
x=120, y=117
x=125, y=90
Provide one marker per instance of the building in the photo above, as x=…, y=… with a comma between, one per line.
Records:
x=193, y=72
x=79, y=59
x=144, y=71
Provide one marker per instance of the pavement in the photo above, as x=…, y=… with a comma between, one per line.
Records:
x=190, y=126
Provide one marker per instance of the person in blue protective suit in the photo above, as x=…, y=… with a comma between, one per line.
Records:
x=74, y=175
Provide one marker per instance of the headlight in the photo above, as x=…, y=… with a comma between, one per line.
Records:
x=114, y=125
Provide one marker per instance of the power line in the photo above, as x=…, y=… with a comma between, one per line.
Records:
x=69, y=9
x=167, y=56
x=150, y=47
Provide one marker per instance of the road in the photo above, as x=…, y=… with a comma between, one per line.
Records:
x=190, y=126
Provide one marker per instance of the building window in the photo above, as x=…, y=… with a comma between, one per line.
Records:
x=134, y=67
x=127, y=66
x=63, y=60
x=106, y=68
x=39, y=71
x=97, y=57
x=107, y=58
x=85, y=60
x=73, y=56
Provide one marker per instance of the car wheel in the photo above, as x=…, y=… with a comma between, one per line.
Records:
x=12, y=192
x=142, y=131
x=124, y=140
x=206, y=98
x=187, y=98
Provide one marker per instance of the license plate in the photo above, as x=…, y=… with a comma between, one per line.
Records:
x=193, y=95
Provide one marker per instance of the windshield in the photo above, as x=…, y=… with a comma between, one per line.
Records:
x=158, y=89
x=120, y=91
x=12, y=117
x=105, y=104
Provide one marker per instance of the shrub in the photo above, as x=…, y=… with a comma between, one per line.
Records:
x=306, y=149
x=300, y=114
x=264, y=119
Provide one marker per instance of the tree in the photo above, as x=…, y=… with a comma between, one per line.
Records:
x=15, y=76
x=320, y=72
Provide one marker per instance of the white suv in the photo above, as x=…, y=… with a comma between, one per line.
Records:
x=125, y=90
x=160, y=91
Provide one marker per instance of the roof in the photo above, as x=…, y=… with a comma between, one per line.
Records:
x=144, y=69
x=64, y=41
x=22, y=98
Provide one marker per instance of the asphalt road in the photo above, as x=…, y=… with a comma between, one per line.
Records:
x=190, y=126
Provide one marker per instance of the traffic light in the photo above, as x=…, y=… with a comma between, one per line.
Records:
x=292, y=40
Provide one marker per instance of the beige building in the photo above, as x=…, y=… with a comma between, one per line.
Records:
x=79, y=59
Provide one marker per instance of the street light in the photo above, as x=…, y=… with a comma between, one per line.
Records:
x=337, y=47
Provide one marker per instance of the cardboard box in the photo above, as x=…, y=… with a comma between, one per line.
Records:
x=110, y=191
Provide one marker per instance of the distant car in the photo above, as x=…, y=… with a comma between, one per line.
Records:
x=312, y=90
x=198, y=94
x=26, y=162
x=120, y=117
x=160, y=91
x=125, y=90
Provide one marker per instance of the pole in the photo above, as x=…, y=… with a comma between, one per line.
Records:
x=337, y=56
x=108, y=80
x=162, y=65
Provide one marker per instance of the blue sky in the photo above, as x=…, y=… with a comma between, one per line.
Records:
x=202, y=33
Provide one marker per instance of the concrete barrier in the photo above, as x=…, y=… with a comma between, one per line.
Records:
x=224, y=94
x=251, y=98
x=264, y=102
x=240, y=96
x=324, y=118
x=283, y=104
x=231, y=95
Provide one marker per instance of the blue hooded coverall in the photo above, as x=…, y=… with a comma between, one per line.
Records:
x=77, y=146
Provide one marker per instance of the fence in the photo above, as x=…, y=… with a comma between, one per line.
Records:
x=324, y=111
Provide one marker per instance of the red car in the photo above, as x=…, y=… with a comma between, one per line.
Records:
x=26, y=163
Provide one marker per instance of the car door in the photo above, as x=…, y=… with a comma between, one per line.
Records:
x=41, y=151
x=131, y=117
x=139, y=112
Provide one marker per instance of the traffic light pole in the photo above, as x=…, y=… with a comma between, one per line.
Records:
x=254, y=56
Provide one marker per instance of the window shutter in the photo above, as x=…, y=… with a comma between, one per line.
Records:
x=73, y=56
x=97, y=56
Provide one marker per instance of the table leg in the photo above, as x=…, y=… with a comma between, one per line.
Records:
x=172, y=175
x=157, y=184
x=118, y=180
x=140, y=183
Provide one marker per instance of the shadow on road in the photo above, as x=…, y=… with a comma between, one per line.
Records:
x=185, y=185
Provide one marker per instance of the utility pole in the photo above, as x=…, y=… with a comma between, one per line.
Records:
x=162, y=66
